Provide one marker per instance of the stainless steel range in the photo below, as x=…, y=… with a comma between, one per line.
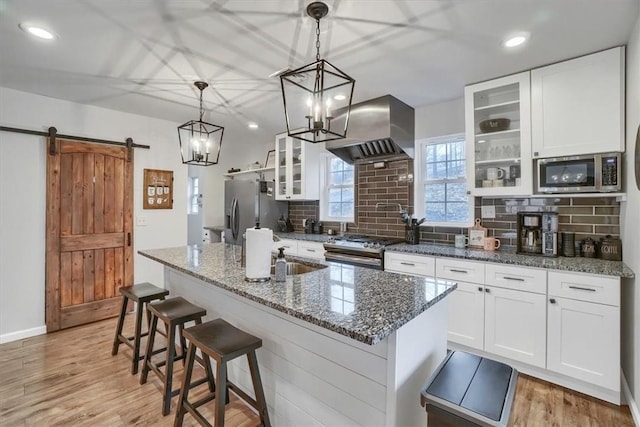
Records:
x=365, y=251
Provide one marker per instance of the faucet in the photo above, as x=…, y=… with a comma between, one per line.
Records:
x=400, y=209
x=276, y=238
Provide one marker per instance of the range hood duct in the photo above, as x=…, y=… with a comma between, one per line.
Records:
x=381, y=129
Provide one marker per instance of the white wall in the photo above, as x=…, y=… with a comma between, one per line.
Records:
x=22, y=195
x=444, y=118
x=630, y=231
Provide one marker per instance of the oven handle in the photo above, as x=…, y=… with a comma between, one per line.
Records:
x=332, y=256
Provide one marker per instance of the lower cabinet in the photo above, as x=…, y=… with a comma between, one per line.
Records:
x=466, y=315
x=515, y=325
x=300, y=248
x=564, y=322
x=584, y=336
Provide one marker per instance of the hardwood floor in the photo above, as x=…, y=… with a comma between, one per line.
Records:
x=69, y=378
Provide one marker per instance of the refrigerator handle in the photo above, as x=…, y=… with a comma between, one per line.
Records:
x=235, y=220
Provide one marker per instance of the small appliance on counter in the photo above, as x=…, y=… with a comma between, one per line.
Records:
x=308, y=225
x=529, y=233
x=550, y=234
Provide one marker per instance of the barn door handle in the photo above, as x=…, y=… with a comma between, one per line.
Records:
x=128, y=239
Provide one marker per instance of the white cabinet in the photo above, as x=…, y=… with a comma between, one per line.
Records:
x=311, y=249
x=301, y=248
x=415, y=265
x=290, y=246
x=466, y=315
x=584, y=328
x=297, y=169
x=515, y=325
x=577, y=106
x=499, y=160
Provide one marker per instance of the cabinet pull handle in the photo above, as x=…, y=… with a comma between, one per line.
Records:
x=519, y=279
x=487, y=290
x=310, y=250
x=128, y=239
x=459, y=271
x=552, y=300
x=580, y=288
x=408, y=263
x=480, y=289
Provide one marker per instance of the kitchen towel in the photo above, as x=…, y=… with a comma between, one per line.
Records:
x=259, y=242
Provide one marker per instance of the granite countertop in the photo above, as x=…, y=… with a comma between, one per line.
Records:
x=502, y=256
x=576, y=264
x=363, y=304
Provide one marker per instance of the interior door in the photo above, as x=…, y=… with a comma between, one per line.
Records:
x=89, y=232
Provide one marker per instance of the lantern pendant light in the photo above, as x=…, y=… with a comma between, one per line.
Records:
x=317, y=97
x=200, y=141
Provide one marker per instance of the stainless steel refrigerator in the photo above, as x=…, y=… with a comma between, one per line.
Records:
x=247, y=202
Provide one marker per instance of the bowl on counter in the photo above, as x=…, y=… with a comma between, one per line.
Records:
x=494, y=125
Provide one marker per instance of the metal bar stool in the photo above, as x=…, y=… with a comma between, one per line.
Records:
x=142, y=294
x=174, y=312
x=223, y=342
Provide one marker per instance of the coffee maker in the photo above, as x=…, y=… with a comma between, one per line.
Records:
x=549, y=234
x=529, y=233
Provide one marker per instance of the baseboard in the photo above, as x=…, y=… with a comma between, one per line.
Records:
x=26, y=333
x=633, y=405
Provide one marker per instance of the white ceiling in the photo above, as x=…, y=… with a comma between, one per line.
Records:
x=142, y=56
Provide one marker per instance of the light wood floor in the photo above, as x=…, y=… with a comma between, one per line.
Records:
x=69, y=378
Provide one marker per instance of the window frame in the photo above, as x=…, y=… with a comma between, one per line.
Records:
x=420, y=181
x=325, y=170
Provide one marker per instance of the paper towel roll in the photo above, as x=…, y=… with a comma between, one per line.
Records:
x=259, y=242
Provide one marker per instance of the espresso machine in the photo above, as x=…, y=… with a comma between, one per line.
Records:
x=529, y=233
x=549, y=234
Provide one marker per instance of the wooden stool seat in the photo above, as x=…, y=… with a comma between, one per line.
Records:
x=223, y=342
x=141, y=294
x=174, y=312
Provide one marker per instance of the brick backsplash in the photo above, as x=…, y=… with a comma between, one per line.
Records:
x=593, y=217
x=391, y=184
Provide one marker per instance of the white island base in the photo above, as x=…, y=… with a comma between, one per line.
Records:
x=315, y=377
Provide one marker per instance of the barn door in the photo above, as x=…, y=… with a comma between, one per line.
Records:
x=89, y=232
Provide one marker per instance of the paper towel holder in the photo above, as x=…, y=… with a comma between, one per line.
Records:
x=253, y=279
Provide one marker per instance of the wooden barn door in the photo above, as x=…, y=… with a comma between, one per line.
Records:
x=89, y=232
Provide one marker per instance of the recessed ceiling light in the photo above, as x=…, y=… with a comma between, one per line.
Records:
x=37, y=31
x=339, y=97
x=253, y=126
x=516, y=40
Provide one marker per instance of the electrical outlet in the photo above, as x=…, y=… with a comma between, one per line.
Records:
x=141, y=221
x=489, y=211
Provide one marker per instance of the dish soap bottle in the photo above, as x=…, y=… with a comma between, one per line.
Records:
x=281, y=266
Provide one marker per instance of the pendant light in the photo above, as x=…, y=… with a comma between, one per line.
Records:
x=317, y=97
x=200, y=141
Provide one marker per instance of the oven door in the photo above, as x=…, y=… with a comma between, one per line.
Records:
x=362, y=261
x=575, y=174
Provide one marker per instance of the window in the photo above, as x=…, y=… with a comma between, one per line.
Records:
x=194, y=195
x=337, y=199
x=441, y=191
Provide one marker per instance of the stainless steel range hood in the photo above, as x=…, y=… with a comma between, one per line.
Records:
x=380, y=129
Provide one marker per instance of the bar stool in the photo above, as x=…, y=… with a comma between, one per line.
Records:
x=223, y=342
x=174, y=312
x=142, y=294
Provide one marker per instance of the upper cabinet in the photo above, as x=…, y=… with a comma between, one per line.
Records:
x=577, y=106
x=498, y=136
x=297, y=169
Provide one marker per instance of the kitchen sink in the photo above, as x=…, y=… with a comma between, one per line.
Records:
x=294, y=268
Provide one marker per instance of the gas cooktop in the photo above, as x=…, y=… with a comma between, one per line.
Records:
x=364, y=239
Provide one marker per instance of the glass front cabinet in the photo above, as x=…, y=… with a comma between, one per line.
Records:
x=498, y=136
x=297, y=172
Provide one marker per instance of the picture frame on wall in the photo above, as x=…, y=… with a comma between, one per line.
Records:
x=271, y=159
x=157, y=189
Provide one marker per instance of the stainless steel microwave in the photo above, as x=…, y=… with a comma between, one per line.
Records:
x=593, y=173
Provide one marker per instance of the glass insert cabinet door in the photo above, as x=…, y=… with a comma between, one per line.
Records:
x=281, y=165
x=498, y=134
x=296, y=166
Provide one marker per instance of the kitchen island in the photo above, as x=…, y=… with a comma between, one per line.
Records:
x=342, y=345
